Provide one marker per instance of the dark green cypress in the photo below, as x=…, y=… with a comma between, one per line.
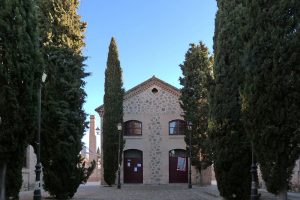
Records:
x=63, y=117
x=113, y=113
x=20, y=75
x=196, y=80
x=271, y=96
x=231, y=147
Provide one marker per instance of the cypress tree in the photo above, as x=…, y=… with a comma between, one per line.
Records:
x=231, y=147
x=20, y=74
x=196, y=80
x=113, y=113
x=63, y=117
x=271, y=96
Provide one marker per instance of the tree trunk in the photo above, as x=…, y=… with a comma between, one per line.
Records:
x=2, y=180
x=283, y=194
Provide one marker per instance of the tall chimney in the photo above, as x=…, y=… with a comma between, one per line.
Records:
x=92, y=140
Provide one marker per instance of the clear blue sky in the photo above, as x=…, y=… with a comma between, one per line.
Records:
x=152, y=38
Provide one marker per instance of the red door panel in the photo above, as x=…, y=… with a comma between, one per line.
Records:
x=175, y=175
x=133, y=170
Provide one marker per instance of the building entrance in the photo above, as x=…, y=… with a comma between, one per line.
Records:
x=133, y=166
x=178, y=166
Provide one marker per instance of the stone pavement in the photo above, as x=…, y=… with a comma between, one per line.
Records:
x=148, y=192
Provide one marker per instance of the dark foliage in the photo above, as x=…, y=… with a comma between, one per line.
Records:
x=196, y=80
x=113, y=113
x=20, y=72
x=271, y=95
x=231, y=146
x=63, y=96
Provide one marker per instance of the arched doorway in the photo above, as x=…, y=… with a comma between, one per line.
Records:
x=178, y=166
x=133, y=166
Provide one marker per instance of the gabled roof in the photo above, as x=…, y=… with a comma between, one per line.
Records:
x=149, y=83
x=144, y=86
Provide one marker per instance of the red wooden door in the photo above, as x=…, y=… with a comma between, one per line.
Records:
x=133, y=170
x=177, y=175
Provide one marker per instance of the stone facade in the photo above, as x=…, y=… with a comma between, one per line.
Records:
x=154, y=110
x=28, y=173
x=154, y=103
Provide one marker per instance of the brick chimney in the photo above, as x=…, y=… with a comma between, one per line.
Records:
x=92, y=139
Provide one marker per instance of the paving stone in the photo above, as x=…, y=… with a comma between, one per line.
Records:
x=148, y=192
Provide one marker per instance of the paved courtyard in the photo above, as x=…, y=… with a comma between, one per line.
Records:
x=148, y=192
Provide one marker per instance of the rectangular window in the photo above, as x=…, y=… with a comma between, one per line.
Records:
x=177, y=127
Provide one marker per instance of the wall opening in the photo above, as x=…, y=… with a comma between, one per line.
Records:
x=133, y=166
x=154, y=90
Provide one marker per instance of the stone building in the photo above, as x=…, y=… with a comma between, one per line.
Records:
x=154, y=148
x=153, y=129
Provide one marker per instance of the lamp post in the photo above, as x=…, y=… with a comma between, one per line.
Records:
x=2, y=178
x=254, y=193
x=98, y=130
x=119, y=154
x=38, y=166
x=190, y=154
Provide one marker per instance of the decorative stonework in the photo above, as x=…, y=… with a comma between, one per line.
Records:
x=154, y=103
x=150, y=83
x=135, y=100
x=154, y=137
x=148, y=102
x=154, y=107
